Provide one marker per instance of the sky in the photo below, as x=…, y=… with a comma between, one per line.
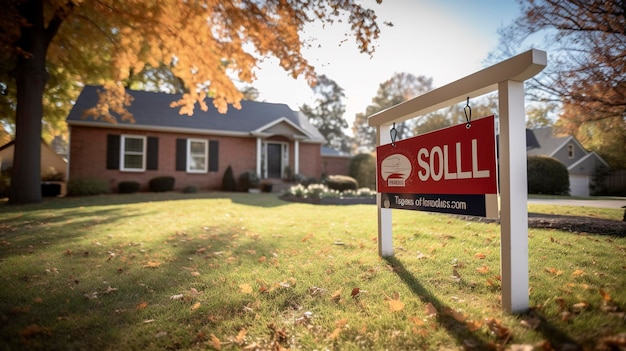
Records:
x=443, y=39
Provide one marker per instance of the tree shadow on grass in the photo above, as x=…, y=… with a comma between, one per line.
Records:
x=457, y=329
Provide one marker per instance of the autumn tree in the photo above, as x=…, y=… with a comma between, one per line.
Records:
x=399, y=88
x=586, y=75
x=206, y=44
x=327, y=113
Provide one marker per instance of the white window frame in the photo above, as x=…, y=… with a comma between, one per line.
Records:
x=123, y=153
x=190, y=156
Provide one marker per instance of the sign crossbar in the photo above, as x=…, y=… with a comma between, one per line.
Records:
x=507, y=78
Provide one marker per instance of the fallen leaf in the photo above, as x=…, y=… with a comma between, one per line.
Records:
x=110, y=290
x=473, y=325
x=497, y=329
x=160, y=334
x=245, y=288
x=417, y=320
x=480, y=256
x=430, y=310
x=34, y=330
x=341, y=322
x=580, y=306
x=396, y=305
x=605, y=295
x=566, y=316
x=241, y=336
x=152, y=264
x=355, y=292
x=483, y=270
x=336, y=295
x=262, y=259
x=458, y=316
x=335, y=334
x=141, y=306
x=215, y=342
x=554, y=271
x=196, y=306
x=578, y=273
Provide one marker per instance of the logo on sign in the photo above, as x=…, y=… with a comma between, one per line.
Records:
x=395, y=169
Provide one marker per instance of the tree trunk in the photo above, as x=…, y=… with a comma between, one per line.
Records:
x=31, y=77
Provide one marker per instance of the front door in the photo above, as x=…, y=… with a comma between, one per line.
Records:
x=274, y=160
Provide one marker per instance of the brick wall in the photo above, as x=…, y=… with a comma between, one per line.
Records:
x=88, y=147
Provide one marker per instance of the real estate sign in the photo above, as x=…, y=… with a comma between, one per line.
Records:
x=452, y=170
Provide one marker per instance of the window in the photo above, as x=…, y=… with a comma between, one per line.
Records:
x=570, y=151
x=197, y=155
x=133, y=153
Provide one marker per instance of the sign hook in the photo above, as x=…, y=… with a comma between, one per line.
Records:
x=468, y=116
x=393, y=133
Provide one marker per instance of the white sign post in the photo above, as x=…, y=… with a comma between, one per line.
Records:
x=506, y=77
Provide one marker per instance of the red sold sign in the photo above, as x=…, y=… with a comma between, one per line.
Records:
x=455, y=160
x=452, y=170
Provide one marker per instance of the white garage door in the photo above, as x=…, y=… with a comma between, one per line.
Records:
x=579, y=185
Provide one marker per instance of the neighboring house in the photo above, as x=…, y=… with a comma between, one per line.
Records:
x=269, y=139
x=51, y=163
x=581, y=164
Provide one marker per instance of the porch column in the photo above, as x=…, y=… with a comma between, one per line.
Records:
x=259, y=146
x=296, y=157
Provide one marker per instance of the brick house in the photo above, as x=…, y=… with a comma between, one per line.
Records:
x=267, y=138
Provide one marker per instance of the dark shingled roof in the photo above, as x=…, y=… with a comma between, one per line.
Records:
x=152, y=110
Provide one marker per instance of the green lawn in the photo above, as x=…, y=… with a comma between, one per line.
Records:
x=251, y=272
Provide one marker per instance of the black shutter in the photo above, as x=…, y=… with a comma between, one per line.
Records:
x=214, y=147
x=152, y=161
x=113, y=151
x=181, y=154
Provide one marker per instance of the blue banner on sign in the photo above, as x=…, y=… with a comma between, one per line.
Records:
x=462, y=204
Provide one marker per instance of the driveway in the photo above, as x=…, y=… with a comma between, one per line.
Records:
x=589, y=203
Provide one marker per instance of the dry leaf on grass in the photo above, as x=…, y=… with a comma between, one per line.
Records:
x=483, y=270
x=396, y=305
x=152, y=264
x=245, y=289
x=215, y=342
x=430, y=310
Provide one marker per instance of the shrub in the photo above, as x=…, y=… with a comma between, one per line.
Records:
x=86, y=187
x=161, y=184
x=341, y=183
x=547, y=175
x=248, y=180
x=228, y=181
x=127, y=187
x=363, y=169
x=190, y=189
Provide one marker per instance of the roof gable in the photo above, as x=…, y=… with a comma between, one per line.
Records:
x=548, y=143
x=152, y=111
